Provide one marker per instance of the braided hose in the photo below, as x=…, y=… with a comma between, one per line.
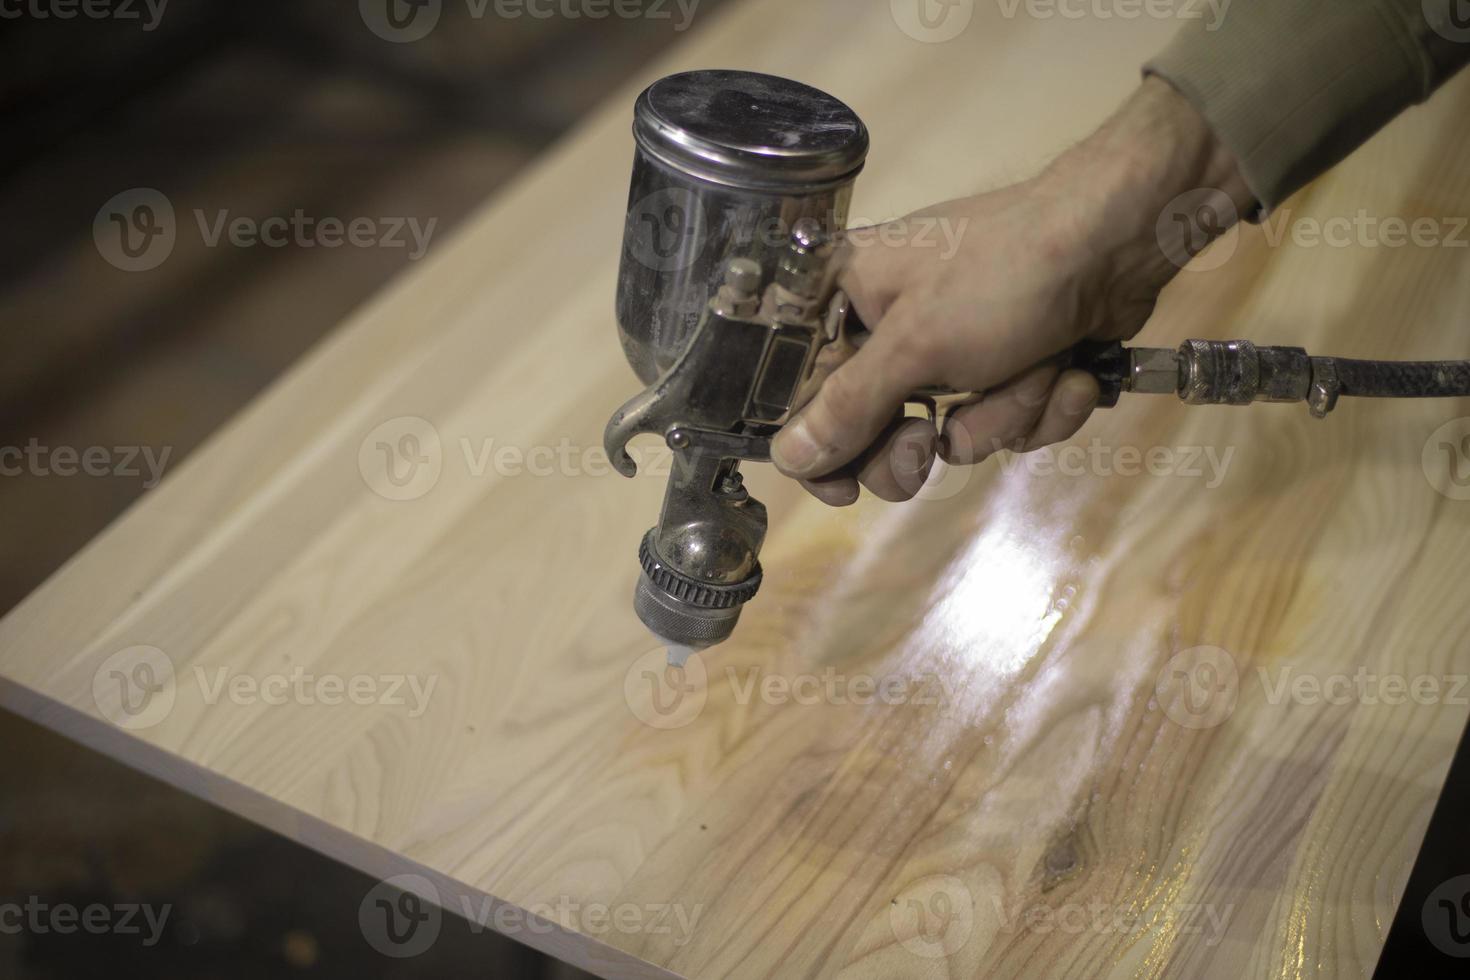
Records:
x=1402, y=379
x=1237, y=372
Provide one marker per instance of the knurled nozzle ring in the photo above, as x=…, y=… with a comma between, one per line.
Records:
x=702, y=595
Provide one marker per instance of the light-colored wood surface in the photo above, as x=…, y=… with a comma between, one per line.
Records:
x=1035, y=796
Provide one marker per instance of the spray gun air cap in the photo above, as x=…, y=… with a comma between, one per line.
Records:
x=683, y=611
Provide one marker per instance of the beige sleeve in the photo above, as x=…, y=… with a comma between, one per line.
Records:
x=1293, y=86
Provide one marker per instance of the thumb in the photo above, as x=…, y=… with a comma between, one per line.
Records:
x=850, y=410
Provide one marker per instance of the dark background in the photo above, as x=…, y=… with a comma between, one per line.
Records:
x=259, y=108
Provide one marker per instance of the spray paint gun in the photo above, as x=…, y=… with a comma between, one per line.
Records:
x=728, y=311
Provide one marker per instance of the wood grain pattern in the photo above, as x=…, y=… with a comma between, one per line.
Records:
x=1046, y=783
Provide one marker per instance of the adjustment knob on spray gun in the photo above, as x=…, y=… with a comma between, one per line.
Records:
x=724, y=322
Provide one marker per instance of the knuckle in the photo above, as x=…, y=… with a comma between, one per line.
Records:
x=842, y=406
x=919, y=354
x=1034, y=392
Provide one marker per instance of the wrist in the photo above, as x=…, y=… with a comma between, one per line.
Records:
x=1124, y=184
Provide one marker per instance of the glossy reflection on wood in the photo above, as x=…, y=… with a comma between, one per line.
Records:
x=1048, y=721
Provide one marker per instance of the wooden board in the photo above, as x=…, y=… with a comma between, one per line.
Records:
x=1080, y=759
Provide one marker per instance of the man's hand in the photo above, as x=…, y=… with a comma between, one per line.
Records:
x=1069, y=255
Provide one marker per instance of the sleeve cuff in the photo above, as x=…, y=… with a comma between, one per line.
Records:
x=1293, y=87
